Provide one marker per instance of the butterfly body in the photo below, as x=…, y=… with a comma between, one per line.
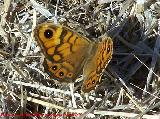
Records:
x=68, y=54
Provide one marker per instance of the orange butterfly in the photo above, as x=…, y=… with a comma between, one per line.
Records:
x=68, y=54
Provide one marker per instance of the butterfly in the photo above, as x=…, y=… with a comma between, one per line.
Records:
x=68, y=54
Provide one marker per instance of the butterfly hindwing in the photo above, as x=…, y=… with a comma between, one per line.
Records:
x=97, y=63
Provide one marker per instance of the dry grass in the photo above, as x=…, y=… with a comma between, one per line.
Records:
x=130, y=85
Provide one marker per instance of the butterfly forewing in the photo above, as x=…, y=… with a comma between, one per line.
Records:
x=65, y=50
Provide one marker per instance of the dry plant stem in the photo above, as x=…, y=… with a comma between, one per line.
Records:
x=71, y=85
x=42, y=88
x=126, y=54
x=96, y=104
x=22, y=99
x=120, y=96
x=40, y=9
x=20, y=72
x=151, y=27
x=87, y=112
x=4, y=53
x=21, y=86
x=154, y=58
x=111, y=113
x=46, y=104
x=71, y=110
x=134, y=102
x=146, y=91
x=126, y=4
x=4, y=35
x=5, y=11
x=26, y=51
x=34, y=21
x=55, y=13
x=123, y=83
x=36, y=69
x=128, y=95
x=146, y=66
x=147, y=110
x=83, y=5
